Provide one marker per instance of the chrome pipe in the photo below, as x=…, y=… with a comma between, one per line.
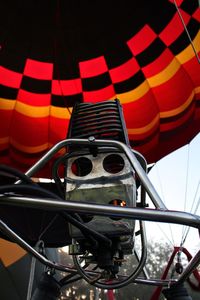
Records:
x=144, y=214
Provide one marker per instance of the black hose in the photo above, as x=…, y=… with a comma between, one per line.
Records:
x=102, y=238
x=56, y=176
x=27, y=189
x=15, y=172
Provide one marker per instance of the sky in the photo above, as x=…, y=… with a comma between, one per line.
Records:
x=176, y=178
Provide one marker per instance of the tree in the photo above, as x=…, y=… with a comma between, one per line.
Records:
x=157, y=259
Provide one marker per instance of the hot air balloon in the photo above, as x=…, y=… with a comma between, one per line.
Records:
x=56, y=54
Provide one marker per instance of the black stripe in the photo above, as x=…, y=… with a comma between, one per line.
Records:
x=136, y=143
x=65, y=67
x=129, y=84
x=183, y=41
x=66, y=101
x=8, y=92
x=35, y=85
x=11, y=60
x=174, y=133
x=151, y=53
x=96, y=82
x=180, y=115
x=198, y=103
x=158, y=14
x=118, y=55
x=190, y=6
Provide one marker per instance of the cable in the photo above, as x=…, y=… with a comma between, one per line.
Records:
x=187, y=229
x=55, y=174
x=187, y=32
x=16, y=173
x=129, y=279
x=103, y=239
x=28, y=189
x=186, y=189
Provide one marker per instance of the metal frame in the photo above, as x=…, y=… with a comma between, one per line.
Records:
x=159, y=214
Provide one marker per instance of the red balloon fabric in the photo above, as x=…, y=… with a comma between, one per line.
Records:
x=58, y=53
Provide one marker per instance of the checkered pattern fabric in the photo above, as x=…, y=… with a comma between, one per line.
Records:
x=138, y=52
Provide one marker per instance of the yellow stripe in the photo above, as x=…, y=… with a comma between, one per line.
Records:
x=135, y=94
x=60, y=112
x=32, y=111
x=178, y=110
x=188, y=53
x=10, y=252
x=197, y=90
x=165, y=74
x=146, y=128
x=35, y=111
x=7, y=104
x=29, y=149
x=4, y=140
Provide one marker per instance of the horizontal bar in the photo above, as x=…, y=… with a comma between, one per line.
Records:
x=145, y=214
x=155, y=282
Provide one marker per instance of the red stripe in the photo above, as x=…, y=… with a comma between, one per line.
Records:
x=174, y=29
x=174, y=92
x=125, y=71
x=93, y=67
x=158, y=64
x=57, y=129
x=29, y=131
x=16, y=161
x=99, y=95
x=38, y=69
x=145, y=110
x=22, y=162
x=196, y=14
x=33, y=98
x=180, y=121
x=192, y=67
x=10, y=78
x=149, y=149
x=6, y=119
x=178, y=2
x=141, y=40
x=66, y=87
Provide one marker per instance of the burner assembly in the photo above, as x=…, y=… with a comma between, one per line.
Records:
x=101, y=176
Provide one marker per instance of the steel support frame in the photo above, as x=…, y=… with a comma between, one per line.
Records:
x=159, y=214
